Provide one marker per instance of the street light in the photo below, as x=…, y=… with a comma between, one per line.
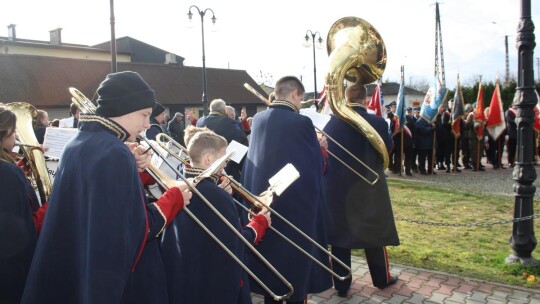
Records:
x=523, y=240
x=202, y=13
x=319, y=45
x=507, y=71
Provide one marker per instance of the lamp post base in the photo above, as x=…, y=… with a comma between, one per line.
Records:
x=513, y=259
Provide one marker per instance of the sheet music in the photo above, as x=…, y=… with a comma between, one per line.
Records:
x=283, y=179
x=238, y=149
x=56, y=139
x=319, y=120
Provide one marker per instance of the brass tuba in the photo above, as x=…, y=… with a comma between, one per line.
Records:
x=26, y=115
x=357, y=53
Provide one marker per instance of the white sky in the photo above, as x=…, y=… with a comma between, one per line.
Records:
x=266, y=36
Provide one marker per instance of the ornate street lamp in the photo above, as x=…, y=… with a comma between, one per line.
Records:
x=202, y=13
x=319, y=45
x=523, y=240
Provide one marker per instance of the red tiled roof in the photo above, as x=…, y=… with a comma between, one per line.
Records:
x=44, y=81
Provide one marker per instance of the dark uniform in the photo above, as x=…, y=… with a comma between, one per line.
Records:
x=424, y=144
x=280, y=135
x=445, y=140
x=198, y=269
x=359, y=215
x=18, y=235
x=511, y=128
x=99, y=239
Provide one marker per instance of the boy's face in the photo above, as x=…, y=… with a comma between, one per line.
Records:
x=212, y=157
x=135, y=122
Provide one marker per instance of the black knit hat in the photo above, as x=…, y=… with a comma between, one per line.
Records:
x=122, y=93
x=158, y=109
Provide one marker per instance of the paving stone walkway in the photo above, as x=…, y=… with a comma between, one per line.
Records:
x=417, y=285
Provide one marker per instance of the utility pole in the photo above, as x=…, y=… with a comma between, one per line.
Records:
x=439, y=46
x=507, y=75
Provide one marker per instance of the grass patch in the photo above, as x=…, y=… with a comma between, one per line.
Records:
x=475, y=252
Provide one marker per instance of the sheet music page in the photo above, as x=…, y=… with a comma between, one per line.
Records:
x=283, y=179
x=319, y=120
x=56, y=139
x=239, y=151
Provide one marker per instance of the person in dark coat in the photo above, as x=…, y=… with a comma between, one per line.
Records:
x=41, y=126
x=424, y=144
x=511, y=128
x=221, y=124
x=176, y=128
x=157, y=118
x=279, y=136
x=99, y=239
x=198, y=269
x=445, y=139
x=359, y=215
x=20, y=215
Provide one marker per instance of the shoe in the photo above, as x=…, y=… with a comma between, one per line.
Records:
x=503, y=167
x=441, y=167
x=459, y=165
x=448, y=169
x=457, y=170
x=393, y=280
x=481, y=169
x=468, y=167
x=343, y=294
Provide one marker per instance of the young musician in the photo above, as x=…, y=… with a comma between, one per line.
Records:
x=280, y=135
x=157, y=118
x=359, y=215
x=99, y=242
x=198, y=269
x=20, y=215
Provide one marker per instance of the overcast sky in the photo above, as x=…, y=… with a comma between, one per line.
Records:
x=265, y=37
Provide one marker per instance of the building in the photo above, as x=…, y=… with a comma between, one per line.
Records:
x=390, y=90
x=40, y=73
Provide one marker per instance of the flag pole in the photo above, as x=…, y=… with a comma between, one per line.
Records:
x=478, y=154
x=454, y=161
x=433, y=151
x=402, y=161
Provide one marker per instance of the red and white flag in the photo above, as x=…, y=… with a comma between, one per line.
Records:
x=479, y=116
x=374, y=105
x=495, y=121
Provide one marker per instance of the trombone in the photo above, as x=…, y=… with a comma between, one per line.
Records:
x=267, y=102
x=166, y=182
x=257, y=203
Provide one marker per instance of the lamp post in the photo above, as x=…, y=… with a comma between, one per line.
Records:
x=522, y=241
x=507, y=64
x=319, y=45
x=113, y=40
x=202, y=13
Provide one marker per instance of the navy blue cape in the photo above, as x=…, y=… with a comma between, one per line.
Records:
x=359, y=215
x=198, y=269
x=17, y=231
x=280, y=136
x=98, y=242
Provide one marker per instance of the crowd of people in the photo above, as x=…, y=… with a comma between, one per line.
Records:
x=430, y=146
